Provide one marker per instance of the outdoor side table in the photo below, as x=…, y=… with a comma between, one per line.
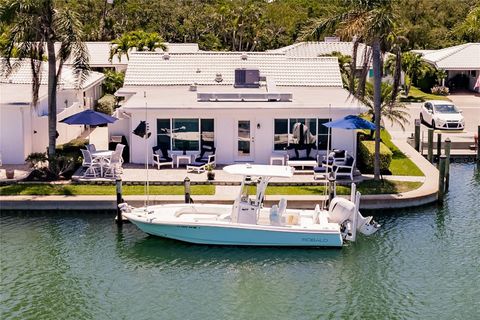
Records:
x=279, y=159
x=186, y=157
x=103, y=157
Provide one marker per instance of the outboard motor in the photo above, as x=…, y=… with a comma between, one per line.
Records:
x=345, y=213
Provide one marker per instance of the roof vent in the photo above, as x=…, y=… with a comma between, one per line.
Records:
x=244, y=56
x=193, y=87
x=198, y=70
x=166, y=56
x=218, y=77
x=247, y=78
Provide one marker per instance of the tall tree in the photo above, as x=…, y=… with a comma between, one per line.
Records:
x=372, y=20
x=36, y=26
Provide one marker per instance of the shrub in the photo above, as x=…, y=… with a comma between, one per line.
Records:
x=106, y=104
x=440, y=90
x=113, y=81
x=48, y=169
x=366, y=157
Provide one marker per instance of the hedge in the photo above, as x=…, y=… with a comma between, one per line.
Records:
x=106, y=104
x=366, y=156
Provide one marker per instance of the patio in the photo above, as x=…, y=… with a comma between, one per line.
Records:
x=136, y=173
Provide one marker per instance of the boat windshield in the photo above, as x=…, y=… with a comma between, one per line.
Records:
x=446, y=108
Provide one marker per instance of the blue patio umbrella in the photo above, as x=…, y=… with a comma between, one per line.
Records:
x=349, y=122
x=89, y=117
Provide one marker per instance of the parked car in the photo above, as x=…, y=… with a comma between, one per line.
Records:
x=442, y=115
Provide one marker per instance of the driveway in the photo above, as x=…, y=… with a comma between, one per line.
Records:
x=468, y=103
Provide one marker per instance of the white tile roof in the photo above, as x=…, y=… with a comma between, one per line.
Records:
x=315, y=49
x=19, y=94
x=462, y=57
x=149, y=68
x=100, y=52
x=23, y=75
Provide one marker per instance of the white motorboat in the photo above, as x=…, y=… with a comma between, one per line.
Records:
x=247, y=222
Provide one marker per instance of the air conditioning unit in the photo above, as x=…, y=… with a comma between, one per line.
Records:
x=247, y=78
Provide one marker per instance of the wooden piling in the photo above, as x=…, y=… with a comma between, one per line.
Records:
x=441, y=178
x=447, y=163
x=478, y=144
x=430, y=145
x=417, y=134
x=439, y=145
x=118, y=183
x=186, y=186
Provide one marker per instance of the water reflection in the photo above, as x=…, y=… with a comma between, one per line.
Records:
x=155, y=250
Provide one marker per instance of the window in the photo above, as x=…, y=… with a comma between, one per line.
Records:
x=280, y=137
x=473, y=73
x=300, y=130
x=322, y=137
x=163, y=133
x=185, y=134
x=207, y=132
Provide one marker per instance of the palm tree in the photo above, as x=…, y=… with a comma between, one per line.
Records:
x=373, y=21
x=140, y=40
x=393, y=110
x=414, y=67
x=469, y=29
x=35, y=27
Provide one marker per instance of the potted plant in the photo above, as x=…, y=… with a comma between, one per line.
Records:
x=10, y=173
x=210, y=173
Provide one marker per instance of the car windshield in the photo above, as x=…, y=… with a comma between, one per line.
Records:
x=446, y=108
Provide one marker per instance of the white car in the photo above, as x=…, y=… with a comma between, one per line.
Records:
x=442, y=115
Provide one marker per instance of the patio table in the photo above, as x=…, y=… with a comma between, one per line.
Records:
x=103, y=158
x=183, y=157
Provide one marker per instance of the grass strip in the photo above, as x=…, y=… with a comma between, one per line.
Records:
x=365, y=187
x=417, y=95
x=401, y=165
x=81, y=189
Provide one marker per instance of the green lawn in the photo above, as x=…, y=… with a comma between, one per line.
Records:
x=417, y=95
x=51, y=189
x=401, y=165
x=365, y=187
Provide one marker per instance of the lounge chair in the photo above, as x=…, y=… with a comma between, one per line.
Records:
x=346, y=169
x=161, y=158
x=200, y=166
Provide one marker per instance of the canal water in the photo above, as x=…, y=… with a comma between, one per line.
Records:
x=423, y=264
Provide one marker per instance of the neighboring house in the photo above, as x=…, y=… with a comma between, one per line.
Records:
x=317, y=49
x=23, y=128
x=462, y=64
x=100, y=53
x=190, y=100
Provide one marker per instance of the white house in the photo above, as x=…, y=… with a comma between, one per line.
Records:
x=23, y=128
x=193, y=99
x=99, y=53
x=462, y=64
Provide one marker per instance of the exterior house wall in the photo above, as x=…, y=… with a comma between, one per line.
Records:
x=14, y=121
x=92, y=94
x=225, y=122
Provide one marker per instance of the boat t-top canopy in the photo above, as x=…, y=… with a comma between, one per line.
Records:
x=260, y=170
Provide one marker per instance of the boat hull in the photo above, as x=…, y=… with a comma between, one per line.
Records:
x=240, y=235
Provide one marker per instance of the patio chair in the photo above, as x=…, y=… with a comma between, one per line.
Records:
x=91, y=148
x=93, y=167
x=205, y=154
x=119, y=147
x=200, y=167
x=162, y=158
x=114, y=167
x=346, y=169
